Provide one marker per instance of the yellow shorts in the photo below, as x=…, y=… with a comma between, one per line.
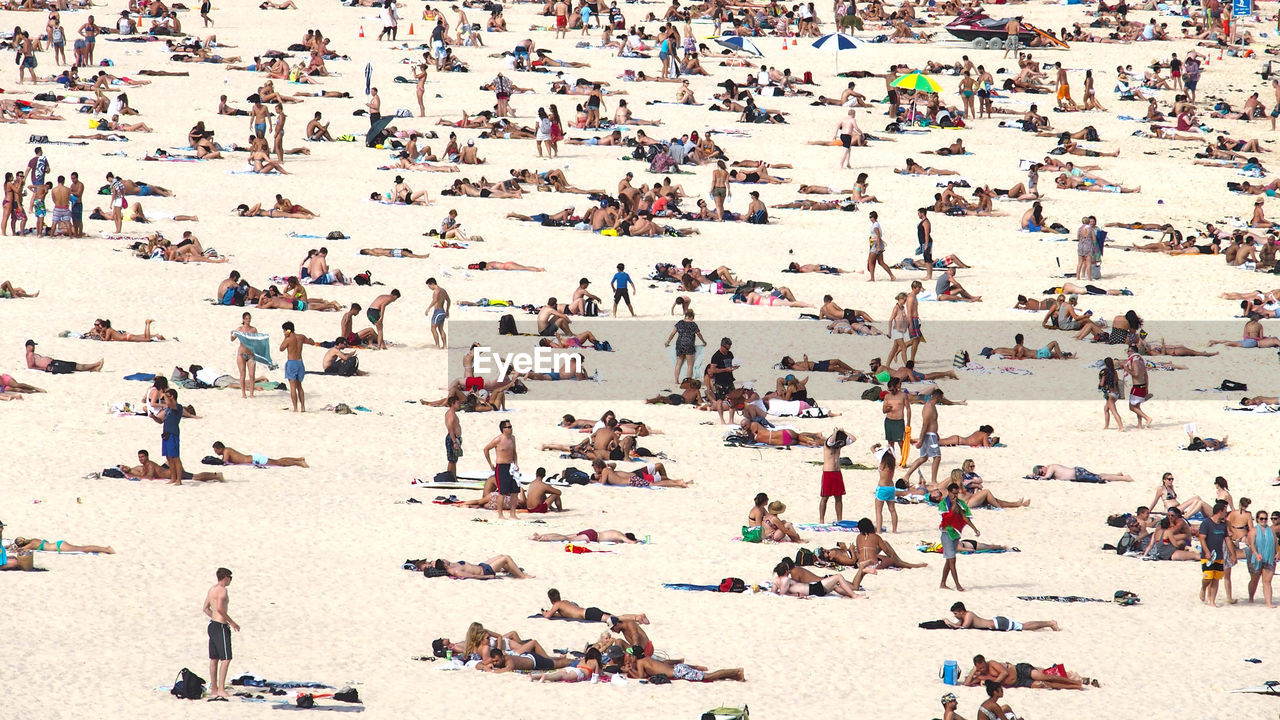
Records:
x=1211, y=570
x=1064, y=91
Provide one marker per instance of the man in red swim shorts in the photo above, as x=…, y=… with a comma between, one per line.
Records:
x=832, y=478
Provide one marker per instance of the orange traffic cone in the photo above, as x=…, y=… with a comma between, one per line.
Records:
x=793, y=42
x=361, y=31
x=784, y=43
x=410, y=29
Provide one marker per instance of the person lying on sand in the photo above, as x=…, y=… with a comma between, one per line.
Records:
x=966, y=620
x=783, y=585
x=1075, y=474
x=487, y=570
x=148, y=469
x=588, y=536
x=500, y=662
x=9, y=291
x=102, y=330
x=1019, y=351
x=574, y=611
x=1023, y=675
x=914, y=168
x=231, y=456
x=21, y=545
x=256, y=210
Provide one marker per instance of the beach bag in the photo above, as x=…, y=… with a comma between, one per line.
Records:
x=590, y=308
x=806, y=557
x=364, y=278
x=872, y=394
x=188, y=686
x=507, y=325
x=574, y=476
x=961, y=358
x=728, y=713
x=1125, y=543
x=1232, y=385
x=752, y=534
x=733, y=585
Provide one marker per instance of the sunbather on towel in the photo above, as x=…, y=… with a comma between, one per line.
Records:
x=654, y=473
x=635, y=665
x=148, y=469
x=589, y=536
x=60, y=546
x=487, y=570
x=965, y=620
x=231, y=456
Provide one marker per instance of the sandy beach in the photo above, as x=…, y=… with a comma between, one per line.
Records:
x=317, y=551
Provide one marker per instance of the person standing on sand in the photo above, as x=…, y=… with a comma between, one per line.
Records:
x=377, y=313
x=896, y=407
x=955, y=516
x=169, y=435
x=77, y=205
x=505, y=467
x=452, y=437
x=438, y=311
x=719, y=188
x=915, y=335
x=877, y=247
x=294, y=370
x=117, y=200
x=886, y=493
x=928, y=441
x=832, y=478
x=622, y=285
x=220, y=627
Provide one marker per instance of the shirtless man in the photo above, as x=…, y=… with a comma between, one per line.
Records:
x=850, y=134
x=505, y=466
x=438, y=311
x=355, y=339
x=640, y=667
x=897, y=415
x=541, y=497
x=294, y=370
x=580, y=297
x=231, y=456
x=574, y=611
x=1076, y=474
x=1022, y=675
x=61, y=196
x=148, y=469
x=552, y=320
x=914, y=334
x=339, y=360
x=832, y=478
x=965, y=620
x=36, y=361
x=220, y=627
x=1136, y=368
x=928, y=440
x=377, y=313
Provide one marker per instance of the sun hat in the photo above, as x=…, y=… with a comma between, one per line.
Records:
x=777, y=507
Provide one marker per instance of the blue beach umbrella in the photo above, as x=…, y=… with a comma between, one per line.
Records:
x=739, y=43
x=835, y=42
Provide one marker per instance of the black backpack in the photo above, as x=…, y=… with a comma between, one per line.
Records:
x=590, y=309
x=806, y=557
x=1125, y=543
x=188, y=686
x=574, y=476
x=1232, y=385
x=733, y=584
x=507, y=325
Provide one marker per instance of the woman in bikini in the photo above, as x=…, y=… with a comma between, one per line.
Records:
x=859, y=193
x=105, y=332
x=781, y=438
x=298, y=293
x=588, y=666
x=504, y=265
x=59, y=546
x=773, y=527
x=1167, y=498
x=780, y=296
x=245, y=361
x=982, y=437
x=755, y=517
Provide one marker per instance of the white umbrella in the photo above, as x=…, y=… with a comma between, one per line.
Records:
x=835, y=42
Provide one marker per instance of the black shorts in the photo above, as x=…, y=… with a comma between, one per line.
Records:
x=1023, y=671
x=542, y=663
x=620, y=295
x=60, y=367
x=846, y=139
x=549, y=330
x=594, y=614
x=219, y=641
x=507, y=484
x=816, y=589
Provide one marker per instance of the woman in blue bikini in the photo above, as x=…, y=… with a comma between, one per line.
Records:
x=59, y=546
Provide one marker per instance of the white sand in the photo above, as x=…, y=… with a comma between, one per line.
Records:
x=316, y=552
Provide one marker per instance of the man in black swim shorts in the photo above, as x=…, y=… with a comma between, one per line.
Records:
x=220, y=627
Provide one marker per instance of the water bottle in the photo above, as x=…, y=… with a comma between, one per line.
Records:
x=950, y=672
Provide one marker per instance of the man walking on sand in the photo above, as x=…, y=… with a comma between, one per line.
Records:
x=169, y=435
x=896, y=407
x=955, y=516
x=832, y=478
x=220, y=627
x=1212, y=534
x=294, y=370
x=850, y=134
x=1136, y=367
x=928, y=442
x=915, y=335
x=505, y=468
x=438, y=311
x=452, y=437
x=377, y=313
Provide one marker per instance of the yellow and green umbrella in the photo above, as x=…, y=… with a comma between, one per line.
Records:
x=917, y=81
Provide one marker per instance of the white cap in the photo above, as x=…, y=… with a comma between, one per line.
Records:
x=471, y=143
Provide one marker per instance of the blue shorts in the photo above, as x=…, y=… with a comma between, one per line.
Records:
x=144, y=190
x=1043, y=353
x=294, y=370
x=169, y=446
x=437, y=316
x=885, y=493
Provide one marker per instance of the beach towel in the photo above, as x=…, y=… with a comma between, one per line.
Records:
x=690, y=587
x=838, y=526
x=259, y=344
x=565, y=619
x=141, y=377
x=1270, y=687
x=1254, y=408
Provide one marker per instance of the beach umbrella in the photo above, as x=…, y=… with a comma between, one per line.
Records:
x=368, y=78
x=739, y=43
x=835, y=42
x=917, y=81
x=375, y=128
